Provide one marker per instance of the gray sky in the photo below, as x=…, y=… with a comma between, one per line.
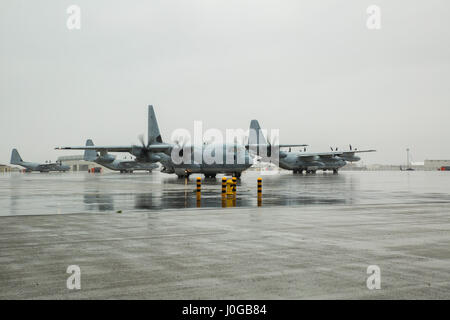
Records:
x=310, y=68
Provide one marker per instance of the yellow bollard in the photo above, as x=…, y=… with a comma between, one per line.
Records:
x=231, y=202
x=199, y=188
x=234, y=186
x=259, y=191
x=224, y=187
x=230, y=193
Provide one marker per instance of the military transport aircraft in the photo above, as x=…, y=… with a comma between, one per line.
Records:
x=33, y=166
x=309, y=162
x=109, y=161
x=189, y=158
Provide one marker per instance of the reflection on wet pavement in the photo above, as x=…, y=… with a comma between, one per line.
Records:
x=27, y=194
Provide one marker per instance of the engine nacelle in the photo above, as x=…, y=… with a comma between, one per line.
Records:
x=351, y=158
x=144, y=155
x=137, y=151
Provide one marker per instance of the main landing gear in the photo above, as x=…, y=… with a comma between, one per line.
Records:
x=126, y=171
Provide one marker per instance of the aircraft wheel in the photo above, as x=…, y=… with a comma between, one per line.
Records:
x=335, y=171
x=237, y=175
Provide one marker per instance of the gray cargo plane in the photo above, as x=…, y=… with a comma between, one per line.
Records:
x=236, y=157
x=33, y=166
x=109, y=161
x=309, y=162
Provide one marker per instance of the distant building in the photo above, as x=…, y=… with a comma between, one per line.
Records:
x=5, y=168
x=383, y=167
x=77, y=163
x=353, y=166
x=436, y=164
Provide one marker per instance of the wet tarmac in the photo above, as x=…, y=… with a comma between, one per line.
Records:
x=55, y=193
x=141, y=236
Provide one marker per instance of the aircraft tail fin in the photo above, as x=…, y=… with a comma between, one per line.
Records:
x=15, y=157
x=256, y=136
x=154, y=136
x=89, y=154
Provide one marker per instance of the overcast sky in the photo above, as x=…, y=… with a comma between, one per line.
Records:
x=309, y=68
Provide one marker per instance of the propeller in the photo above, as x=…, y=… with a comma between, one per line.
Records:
x=350, y=146
x=331, y=148
x=143, y=151
x=142, y=140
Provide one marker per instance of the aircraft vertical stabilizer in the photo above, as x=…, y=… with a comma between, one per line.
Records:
x=153, y=130
x=15, y=157
x=89, y=154
x=256, y=136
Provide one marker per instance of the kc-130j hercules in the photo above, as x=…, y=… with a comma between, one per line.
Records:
x=155, y=150
x=109, y=161
x=306, y=161
x=233, y=160
x=33, y=166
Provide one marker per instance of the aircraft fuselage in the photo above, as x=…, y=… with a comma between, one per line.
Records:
x=207, y=159
x=292, y=161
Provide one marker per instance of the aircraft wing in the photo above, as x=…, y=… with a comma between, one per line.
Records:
x=291, y=145
x=330, y=154
x=154, y=147
x=254, y=146
x=99, y=148
x=357, y=151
